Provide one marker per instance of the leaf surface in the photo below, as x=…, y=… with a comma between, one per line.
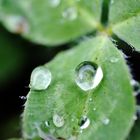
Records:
x=110, y=107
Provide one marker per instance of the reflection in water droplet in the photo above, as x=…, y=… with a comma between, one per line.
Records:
x=136, y=87
x=84, y=123
x=47, y=123
x=88, y=75
x=70, y=13
x=58, y=120
x=106, y=121
x=16, y=24
x=114, y=60
x=40, y=78
x=54, y=3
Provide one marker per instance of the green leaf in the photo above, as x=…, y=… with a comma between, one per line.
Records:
x=125, y=20
x=47, y=22
x=110, y=107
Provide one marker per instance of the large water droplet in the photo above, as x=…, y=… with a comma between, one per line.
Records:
x=88, y=75
x=54, y=3
x=58, y=120
x=84, y=123
x=16, y=24
x=70, y=13
x=136, y=87
x=40, y=78
x=106, y=121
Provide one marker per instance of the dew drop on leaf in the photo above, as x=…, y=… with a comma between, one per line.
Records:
x=84, y=122
x=88, y=75
x=70, y=13
x=106, y=121
x=58, y=120
x=54, y=3
x=40, y=78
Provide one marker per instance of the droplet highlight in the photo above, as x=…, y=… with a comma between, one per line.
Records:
x=40, y=78
x=84, y=123
x=58, y=120
x=88, y=75
x=70, y=13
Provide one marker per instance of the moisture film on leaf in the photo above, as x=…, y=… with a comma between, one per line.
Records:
x=64, y=110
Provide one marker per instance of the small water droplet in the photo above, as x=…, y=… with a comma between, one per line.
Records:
x=106, y=121
x=58, y=120
x=88, y=75
x=136, y=87
x=40, y=78
x=16, y=24
x=90, y=99
x=114, y=59
x=84, y=123
x=70, y=13
x=94, y=109
x=54, y=3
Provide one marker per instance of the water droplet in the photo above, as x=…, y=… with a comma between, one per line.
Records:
x=70, y=13
x=114, y=59
x=94, y=109
x=54, y=3
x=58, y=120
x=84, y=123
x=106, y=121
x=90, y=99
x=16, y=24
x=88, y=75
x=40, y=78
x=136, y=87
